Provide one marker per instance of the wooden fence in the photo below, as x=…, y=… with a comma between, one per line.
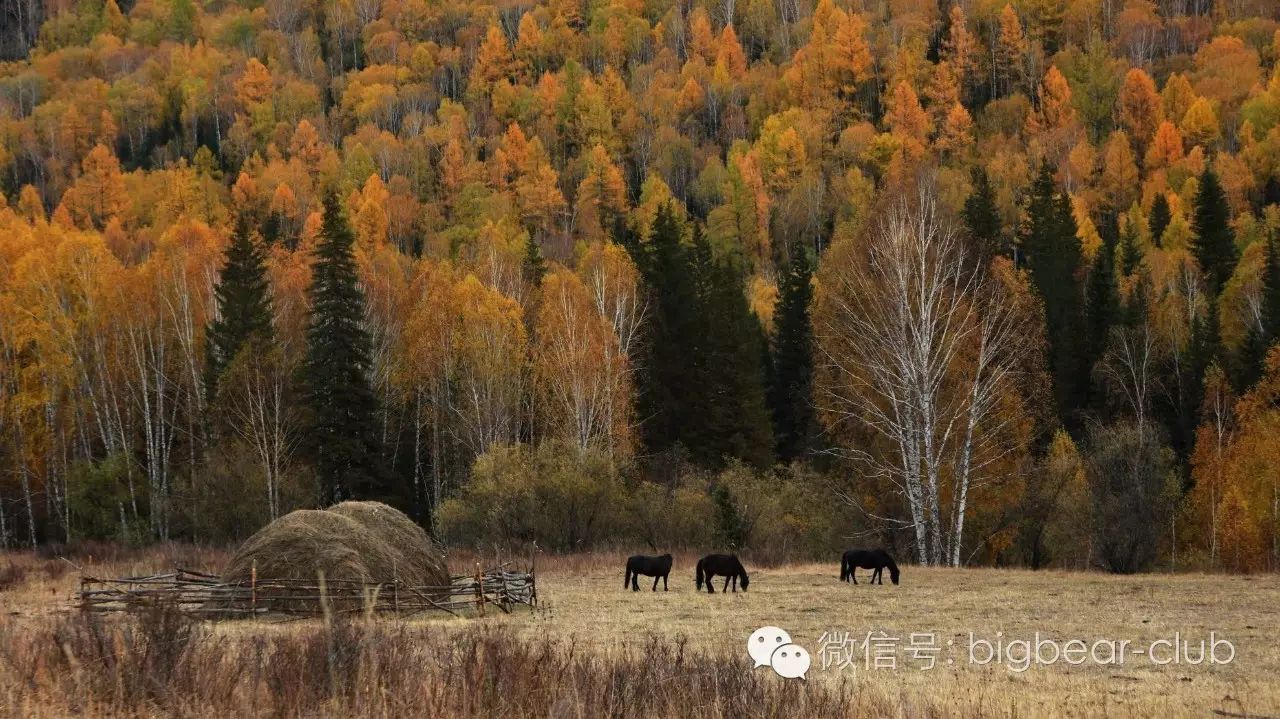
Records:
x=204, y=595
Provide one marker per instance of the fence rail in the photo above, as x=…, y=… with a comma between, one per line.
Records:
x=205, y=595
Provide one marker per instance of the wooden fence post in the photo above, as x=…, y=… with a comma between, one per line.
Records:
x=480, y=589
x=533, y=577
x=253, y=588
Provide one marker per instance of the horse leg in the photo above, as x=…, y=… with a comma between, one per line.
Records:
x=635, y=581
x=880, y=576
x=725, y=588
x=853, y=573
x=655, y=583
x=664, y=583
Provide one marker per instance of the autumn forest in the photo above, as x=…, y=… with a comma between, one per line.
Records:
x=983, y=281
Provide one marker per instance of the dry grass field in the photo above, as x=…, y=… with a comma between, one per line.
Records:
x=589, y=605
x=595, y=649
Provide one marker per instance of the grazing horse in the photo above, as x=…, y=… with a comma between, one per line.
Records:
x=876, y=559
x=656, y=567
x=724, y=565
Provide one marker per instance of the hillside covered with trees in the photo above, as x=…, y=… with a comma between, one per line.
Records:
x=983, y=281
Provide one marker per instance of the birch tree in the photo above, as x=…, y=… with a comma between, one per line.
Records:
x=580, y=369
x=920, y=351
x=262, y=414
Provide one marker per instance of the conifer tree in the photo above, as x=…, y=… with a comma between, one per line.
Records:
x=1130, y=253
x=791, y=368
x=1135, y=307
x=703, y=383
x=343, y=442
x=732, y=416
x=1159, y=219
x=244, y=307
x=667, y=375
x=982, y=218
x=1102, y=299
x=729, y=524
x=1053, y=258
x=1249, y=359
x=1206, y=342
x=533, y=267
x=1271, y=292
x=1214, y=246
x=1203, y=350
x=1262, y=335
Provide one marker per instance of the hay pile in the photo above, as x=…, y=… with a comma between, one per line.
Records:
x=367, y=542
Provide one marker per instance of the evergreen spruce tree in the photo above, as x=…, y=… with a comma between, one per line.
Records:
x=1206, y=343
x=791, y=368
x=1159, y=220
x=1135, y=307
x=703, y=382
x=244, y=307
x=1102, y=299
x=982, y=218
x=1130, y=253
x=1262, y=336
x=1271, y=191
x=343, y=443
x=1053, y=257
x=1250, y=359
x=1271, y=292
x=668, y=382
x=1214, y=246
x=729, y=524
x=532, y=266
x=1203, y=350
x=732, y=417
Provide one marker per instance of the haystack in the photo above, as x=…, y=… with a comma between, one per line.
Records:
x=423, y=557
x=366, y=542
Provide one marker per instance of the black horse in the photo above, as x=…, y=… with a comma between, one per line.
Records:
x=876, y=559
x=724, y=565
x=656, y=567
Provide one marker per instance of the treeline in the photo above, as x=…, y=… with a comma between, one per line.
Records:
x=984, y=281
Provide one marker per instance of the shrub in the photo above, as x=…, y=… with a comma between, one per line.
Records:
x=100, y=501
x=783, y=513
x=568, y=500
x=1132, y=480
x=561, y=497
x=229, y=503
x=667, y=518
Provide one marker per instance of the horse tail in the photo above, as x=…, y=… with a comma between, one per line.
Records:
x=626, y=579
x=844, y=567
x=699, y=573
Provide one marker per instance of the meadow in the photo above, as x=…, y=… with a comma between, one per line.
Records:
x=595, y=649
